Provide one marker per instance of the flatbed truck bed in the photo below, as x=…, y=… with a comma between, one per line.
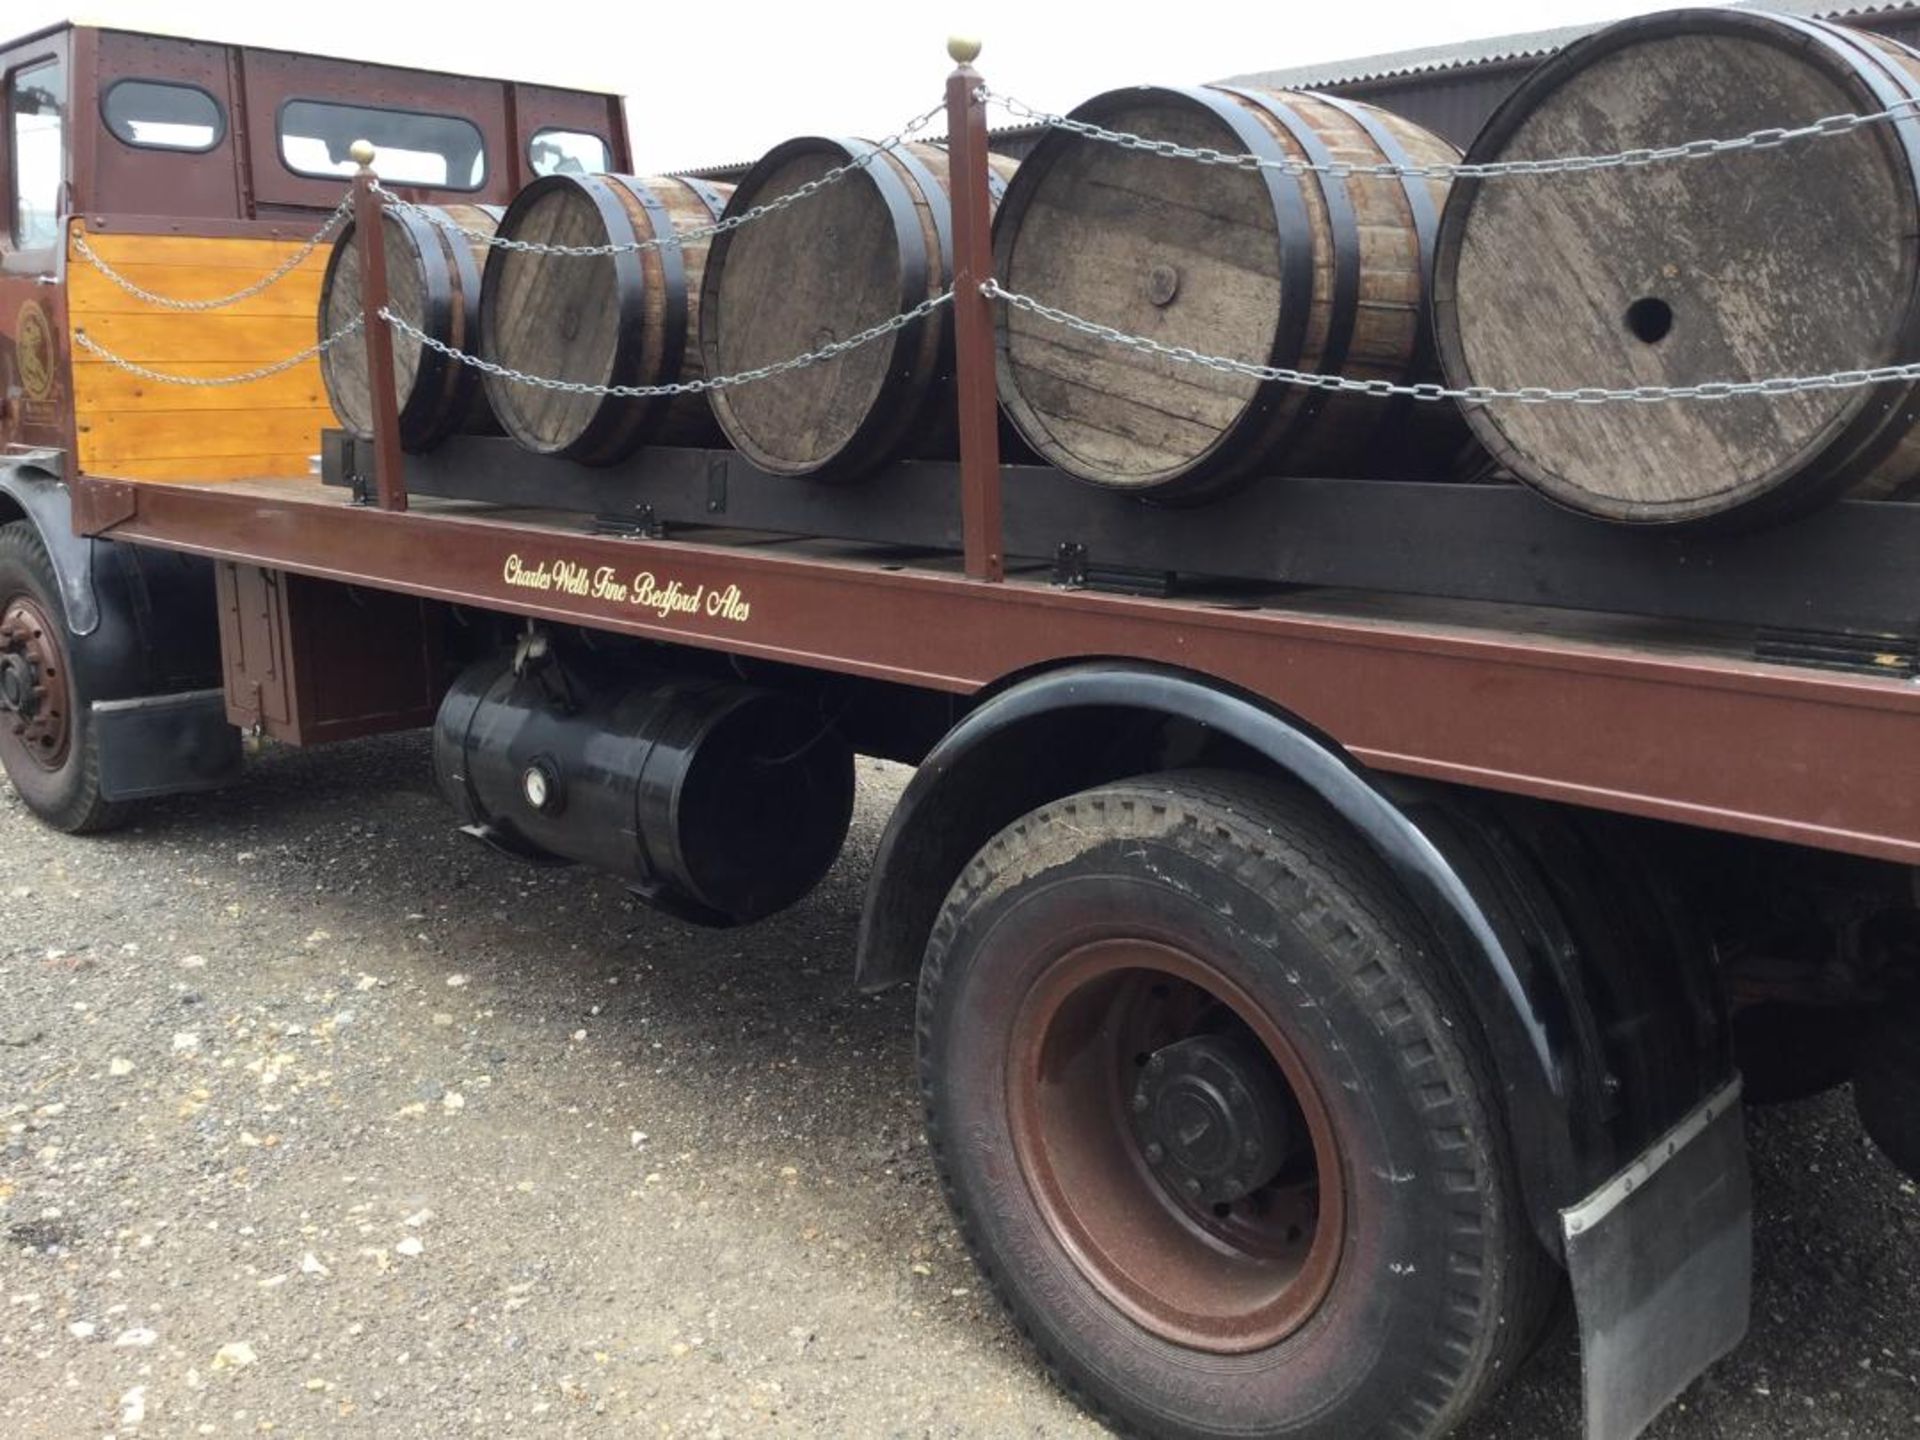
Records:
x=1670, y=720
x=1347, y=915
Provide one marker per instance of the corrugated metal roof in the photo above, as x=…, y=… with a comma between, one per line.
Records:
x=1533, y=45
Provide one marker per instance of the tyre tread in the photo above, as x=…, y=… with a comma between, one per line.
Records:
x=83, y=810
x=1269, y=834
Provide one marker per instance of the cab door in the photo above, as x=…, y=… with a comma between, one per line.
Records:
x=36, y=174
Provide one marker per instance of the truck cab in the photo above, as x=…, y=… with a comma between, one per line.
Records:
x=143, y=177
x=204, y=165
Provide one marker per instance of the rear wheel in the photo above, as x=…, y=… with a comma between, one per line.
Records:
x=1214, y=1125
x=47, y=745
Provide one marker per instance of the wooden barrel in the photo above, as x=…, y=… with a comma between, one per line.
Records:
x=625, y=319
x=433, y=281
x=870, y=246
x=1312, y=273
x=1798, y=260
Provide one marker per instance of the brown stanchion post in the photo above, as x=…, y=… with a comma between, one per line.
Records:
x=389, y=475
x=973, y=315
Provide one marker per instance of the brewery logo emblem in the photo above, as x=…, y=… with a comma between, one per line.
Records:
x=35, y=351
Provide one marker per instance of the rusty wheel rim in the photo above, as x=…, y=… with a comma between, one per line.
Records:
x=1201, y=1270
x=36, y=710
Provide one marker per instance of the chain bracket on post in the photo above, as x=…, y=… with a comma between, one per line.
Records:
x=389, y=477
x=973, y=315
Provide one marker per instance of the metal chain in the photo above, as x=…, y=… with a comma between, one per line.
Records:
x=87, y=342
x=678, y=238
x=682, y=387
x=273, y=277
x=1468, y=394
x=1768, y=139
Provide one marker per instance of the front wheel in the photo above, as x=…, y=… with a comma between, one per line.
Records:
x=47, y=741
x=1214, y=1125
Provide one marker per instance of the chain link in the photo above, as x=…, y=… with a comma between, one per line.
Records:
x=678, y=238
x=132, y=367
x=1469, y=394
x=680, y=387
x=1771, y=138
x=273, y=277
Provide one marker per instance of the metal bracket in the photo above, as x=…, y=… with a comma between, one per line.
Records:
x=1070, y=566
x=1074, y=569
x=1884, y=654
x=717, y=484
x=352, y=460
x=643, y=524
x=103, y=504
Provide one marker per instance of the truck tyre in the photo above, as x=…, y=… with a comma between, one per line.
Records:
x=1215, y=1124
x=47, y=744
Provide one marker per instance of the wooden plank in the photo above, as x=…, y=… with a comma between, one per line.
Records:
x=225, y=251
x=202, y=469
x=110, y=436
x=165, y=340
x=103, y=388
x=90, y=291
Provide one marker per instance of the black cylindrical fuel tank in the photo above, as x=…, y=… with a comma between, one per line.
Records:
x=720, y=801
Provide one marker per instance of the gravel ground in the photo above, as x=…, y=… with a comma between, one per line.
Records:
x=321, y=1120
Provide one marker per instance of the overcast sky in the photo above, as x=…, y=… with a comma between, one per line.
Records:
x=725, y=80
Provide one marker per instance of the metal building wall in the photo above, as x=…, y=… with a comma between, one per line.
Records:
x=1456, y=102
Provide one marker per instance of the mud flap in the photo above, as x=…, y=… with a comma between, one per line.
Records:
x=1661, y=1258
x=165, y=745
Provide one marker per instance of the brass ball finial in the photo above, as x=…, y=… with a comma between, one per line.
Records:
x=964, y=49
x=362, y=153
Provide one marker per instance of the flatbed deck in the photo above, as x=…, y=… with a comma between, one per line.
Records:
x=1654, y=717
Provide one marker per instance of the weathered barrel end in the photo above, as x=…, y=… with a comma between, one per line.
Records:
x=1790, y=261
x=1312, y=273
x=623, y=319
x=872, y=245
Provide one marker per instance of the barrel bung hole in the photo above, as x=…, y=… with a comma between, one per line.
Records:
x=1650, y=318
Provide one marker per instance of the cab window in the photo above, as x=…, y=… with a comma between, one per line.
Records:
x=160, y=115
x=568, y=152
x=36, y=111
x=410, y=147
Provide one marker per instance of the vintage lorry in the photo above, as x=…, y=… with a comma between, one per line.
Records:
x=1342, y=914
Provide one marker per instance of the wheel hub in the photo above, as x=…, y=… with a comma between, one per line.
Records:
x=1212, y=1117
x=1175, y=1142
x=35, y=716
x=17, y=687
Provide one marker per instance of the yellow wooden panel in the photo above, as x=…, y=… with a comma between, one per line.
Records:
x=298, y=294
x=182, y=435
x=139, y=429
x=201, y=469
x=256, y=257
x=167, y=341
x=108, y=388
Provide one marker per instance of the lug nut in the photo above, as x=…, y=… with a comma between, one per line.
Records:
x=1156, y=1152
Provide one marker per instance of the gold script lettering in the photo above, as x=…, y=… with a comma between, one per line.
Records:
x=667, y=600
x=647, y=591
x=728, y=604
